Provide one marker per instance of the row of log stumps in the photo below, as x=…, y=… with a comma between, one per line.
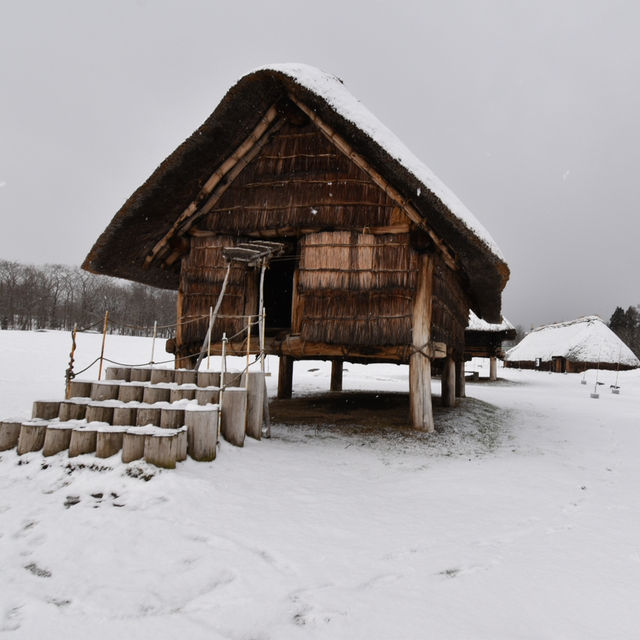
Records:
x=159, y=415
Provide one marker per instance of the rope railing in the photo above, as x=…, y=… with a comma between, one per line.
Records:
x=253, y=320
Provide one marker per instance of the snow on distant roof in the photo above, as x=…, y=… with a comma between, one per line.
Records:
x=475, y=324
x=332, y=90
x=586, y=339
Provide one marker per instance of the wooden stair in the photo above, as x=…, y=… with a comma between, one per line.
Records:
x=161, y=415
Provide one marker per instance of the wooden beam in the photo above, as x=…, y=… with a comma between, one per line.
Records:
x=361, y=161
x=215, y=179
x=295, y=231
x=419, y=363
x=299, y=349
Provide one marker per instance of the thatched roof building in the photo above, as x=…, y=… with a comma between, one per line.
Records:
x=585, y=343
x=484, y=339
x=381, y=262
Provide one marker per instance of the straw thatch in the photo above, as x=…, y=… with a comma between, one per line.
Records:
x=291, y=177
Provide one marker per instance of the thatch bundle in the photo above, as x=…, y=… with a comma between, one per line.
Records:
x=299, y=179
x=202, y=274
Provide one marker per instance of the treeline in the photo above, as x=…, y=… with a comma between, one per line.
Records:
x=626, y=325
x=56, y=296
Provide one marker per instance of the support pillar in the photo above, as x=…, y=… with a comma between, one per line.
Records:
x=419, y=363
x=336, y=375
x=460, y=381
x=493, y=368
x=449, y=383
x=285, y=377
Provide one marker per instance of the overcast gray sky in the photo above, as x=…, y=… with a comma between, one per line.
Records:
x=528, y=111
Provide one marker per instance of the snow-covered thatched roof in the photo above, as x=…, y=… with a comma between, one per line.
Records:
x=127, y=246
x=586, y=339
x=476, y=324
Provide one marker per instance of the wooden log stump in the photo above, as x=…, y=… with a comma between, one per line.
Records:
x=255, y=404
x=131, y=392
x=161, y=449
x=148, y=415
x=202, y=432
x=98, y=412
x=155, y=394
x=186, y=376
x=234, y=415
x=182, y=444
x=32, y=434
x=185, y=392
x=163, y=376
x=171, y=418
x=123, y=416
x=118, y=373
x=79, y=389
x=9, y=434
x=285, y=377
x=109, y=440
x=233, y=379
x=45, y=410
x=83, y=439
x=336, y=375
x=140, y=374
x=133, y=444
x=58, y=437
x=105, y=390
x=208, y=395
x=209, y=378
x=72, y=410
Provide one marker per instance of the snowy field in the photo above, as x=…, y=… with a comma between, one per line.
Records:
x=519, y=519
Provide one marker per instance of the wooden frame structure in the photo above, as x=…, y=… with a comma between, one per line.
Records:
x=378, y=264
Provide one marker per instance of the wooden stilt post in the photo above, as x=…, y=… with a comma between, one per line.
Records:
x=285, y=377
x=336, y=375
x=460, y=381
x=104, y=337
x=493, y=368
x=449, y=383
x=419, y=363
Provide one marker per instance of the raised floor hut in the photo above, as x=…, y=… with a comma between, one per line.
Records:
x=381, y=261
x=484, y=340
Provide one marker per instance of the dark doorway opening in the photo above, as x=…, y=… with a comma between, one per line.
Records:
x=278, y=289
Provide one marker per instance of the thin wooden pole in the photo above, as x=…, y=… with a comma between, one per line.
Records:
x=249, y=318
x=153, y=342
x=69, y=373
x=209, y=338
x=213, y=318
x=104, y=337
x=223, y=370
x=263, y=316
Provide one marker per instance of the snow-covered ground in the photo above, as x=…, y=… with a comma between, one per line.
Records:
x=520, y=519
